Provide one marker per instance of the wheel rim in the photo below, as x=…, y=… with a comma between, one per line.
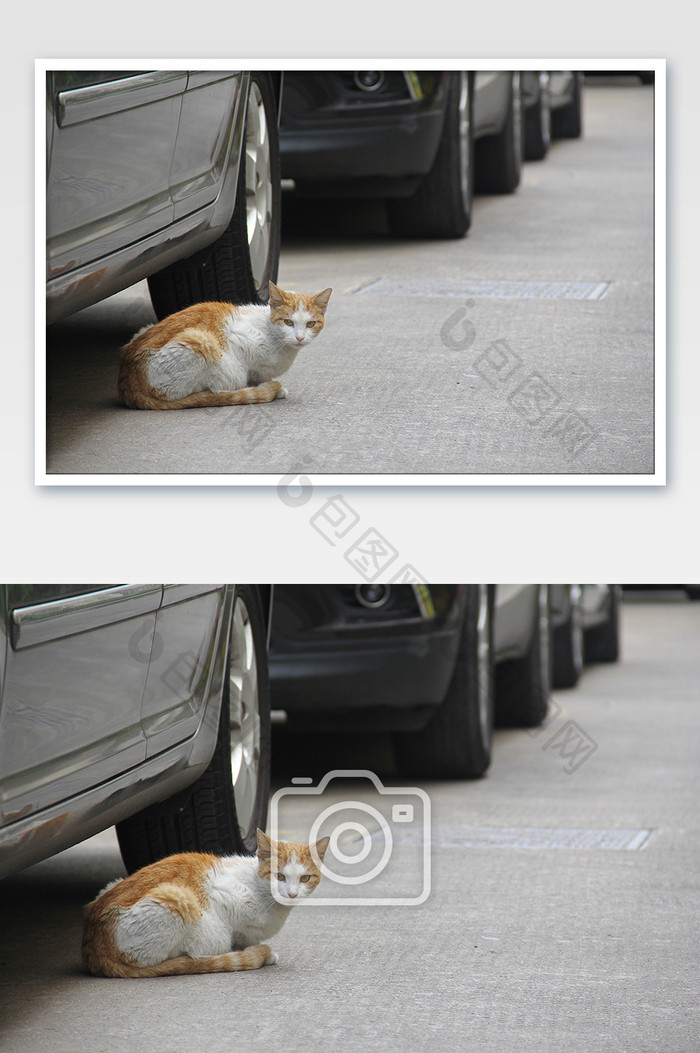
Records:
x=483, y=638
x=258, y=185
x=244, y=714
x=464, y=139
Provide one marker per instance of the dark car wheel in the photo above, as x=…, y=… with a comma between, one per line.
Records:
x=538, y=122
x=221, y=812
x=602, y=642
x=523, y=684
x=567, y=121
x=456, y=743
x=499, y=157
x=567, y=643
x=240, y=265
x=441, y=207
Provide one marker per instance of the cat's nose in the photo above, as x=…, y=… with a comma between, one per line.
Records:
x=300, y=339
x=292, y=895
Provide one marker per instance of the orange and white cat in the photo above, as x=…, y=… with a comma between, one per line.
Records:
x=199, y=913
x=219, y=354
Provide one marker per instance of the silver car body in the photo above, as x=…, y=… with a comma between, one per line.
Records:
x=515, y=607
x=492, y=91
x=142, y=171
x=595, y=604
x=592, y=601
x=109, y=701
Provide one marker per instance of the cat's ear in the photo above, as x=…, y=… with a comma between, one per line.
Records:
x=319, y=847
x=321, y=299
x=264, y=845
x=276, y=297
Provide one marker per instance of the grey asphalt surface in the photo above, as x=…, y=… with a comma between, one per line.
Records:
x=391, y=385
x=563, y=912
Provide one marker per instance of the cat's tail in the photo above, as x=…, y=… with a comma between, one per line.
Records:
x=235, y=961
x=266, y=392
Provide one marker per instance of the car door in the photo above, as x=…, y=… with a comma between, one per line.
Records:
x=182, y=663
x=205, y=137
x=111, y=138
x=75, y=669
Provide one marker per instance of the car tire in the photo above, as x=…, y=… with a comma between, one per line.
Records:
x=567, y=644
x=538, y=122
x=222, y=810
x=238, y=267
x=602, y=642
x=456, y=742
x=567, y=121
x=499, y=157
x=523, y=684
x=441, y=207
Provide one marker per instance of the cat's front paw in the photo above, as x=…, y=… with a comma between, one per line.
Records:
x=271, y=959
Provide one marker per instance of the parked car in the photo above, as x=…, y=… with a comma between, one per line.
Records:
x=424, y=140
x=407, y=136
x=144, y=706
x=553, y=108
x=646, y=76
x=166, y=175
x=585, y=628
x=691, y=591
x=434, y=665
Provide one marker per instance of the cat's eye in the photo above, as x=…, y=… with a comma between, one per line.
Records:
x=306, y=877
x=280, y=877
x=288, y=321
x=310, y=325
